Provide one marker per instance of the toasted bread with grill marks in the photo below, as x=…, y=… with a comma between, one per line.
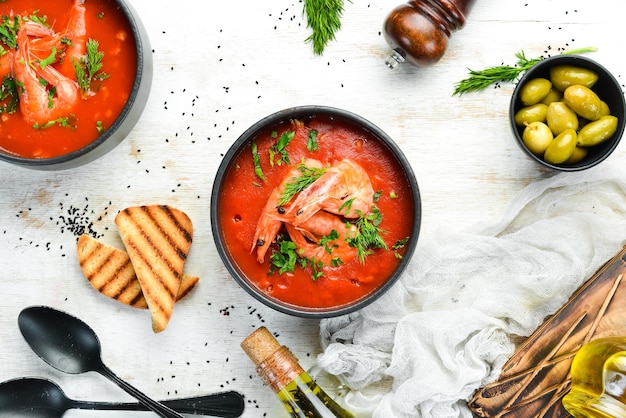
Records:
x=157, y=239
x=110, y=271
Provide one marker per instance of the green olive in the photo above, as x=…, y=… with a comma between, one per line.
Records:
x=560, y=117
x=537, y=136
x=554, y=96
x=563, y=76
x=604, y=108
x=534, y=91
x=532, y=113
x=578, y=155
x=561, y=148
x=583, y=101
x=597, y=131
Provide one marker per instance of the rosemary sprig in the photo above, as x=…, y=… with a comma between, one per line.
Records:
x=324, y=18
x=481, y=79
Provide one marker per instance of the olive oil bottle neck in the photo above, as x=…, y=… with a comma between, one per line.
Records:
x=301, y=396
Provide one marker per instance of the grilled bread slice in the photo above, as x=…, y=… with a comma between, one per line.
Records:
x=110, y=271
x=157, y=239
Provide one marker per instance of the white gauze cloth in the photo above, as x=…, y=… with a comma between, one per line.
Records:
x=445, y=329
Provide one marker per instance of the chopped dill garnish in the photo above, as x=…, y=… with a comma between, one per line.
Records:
x=299, y=183
x=279, y=148
x=257, y=162
x=42, y=20
x=399, y=245
x=347, y=205
x=65, y=122
x=312, y=144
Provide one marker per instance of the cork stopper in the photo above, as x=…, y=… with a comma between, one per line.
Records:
x=274, y=362
x=260, y=345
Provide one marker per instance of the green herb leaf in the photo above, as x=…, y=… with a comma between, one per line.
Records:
x=65, y=122
x=312, y=144
x=298, y=184
x=8, y=31
x=87, y=68
x=324, y=18
x=50, y=59
x=9, y=97
x=481, y=79
x=257, y=162
x=326, y=241
x=369, y=234
x=283, y=260
x=279, y=148
x=398, y=246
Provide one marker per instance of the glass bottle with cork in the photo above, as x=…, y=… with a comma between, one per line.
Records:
x=301, y=396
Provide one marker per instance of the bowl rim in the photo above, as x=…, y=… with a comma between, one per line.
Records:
x=301, y=112
x=123, y=123
x=569, y=59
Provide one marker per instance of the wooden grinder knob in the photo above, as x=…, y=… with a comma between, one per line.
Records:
x=418, y=31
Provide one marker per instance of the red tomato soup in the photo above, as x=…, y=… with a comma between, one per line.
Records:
x=311, y=284
x=56, y=114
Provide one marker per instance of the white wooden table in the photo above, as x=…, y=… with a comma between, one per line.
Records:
x=218, y=68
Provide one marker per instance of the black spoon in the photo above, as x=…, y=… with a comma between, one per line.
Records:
x=70, y=345
x=31, y=397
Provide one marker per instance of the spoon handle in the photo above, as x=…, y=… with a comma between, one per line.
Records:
x=151, y=404
x=225, y=404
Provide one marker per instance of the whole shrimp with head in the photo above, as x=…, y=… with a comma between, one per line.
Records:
x=344, y=189
x=272, y=216
x=46, y=92
x=315, y=216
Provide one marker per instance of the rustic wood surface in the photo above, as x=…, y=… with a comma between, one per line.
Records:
x=535, y=379
x=218, y=68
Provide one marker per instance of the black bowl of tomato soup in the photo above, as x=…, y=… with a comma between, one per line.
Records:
x=315, y=211
x=76, y=78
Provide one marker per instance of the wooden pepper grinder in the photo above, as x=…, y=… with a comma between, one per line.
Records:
x=418, y=30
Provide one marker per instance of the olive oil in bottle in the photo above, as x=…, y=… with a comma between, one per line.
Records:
x=299, y=393
x=598, y=374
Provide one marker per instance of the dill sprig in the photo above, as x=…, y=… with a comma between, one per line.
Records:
x=481, y=79
x=299, y=183
x=324, y=18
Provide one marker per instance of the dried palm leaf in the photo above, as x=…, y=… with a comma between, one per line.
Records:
x=533, y=382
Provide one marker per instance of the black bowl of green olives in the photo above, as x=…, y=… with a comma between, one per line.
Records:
x=568, y=113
